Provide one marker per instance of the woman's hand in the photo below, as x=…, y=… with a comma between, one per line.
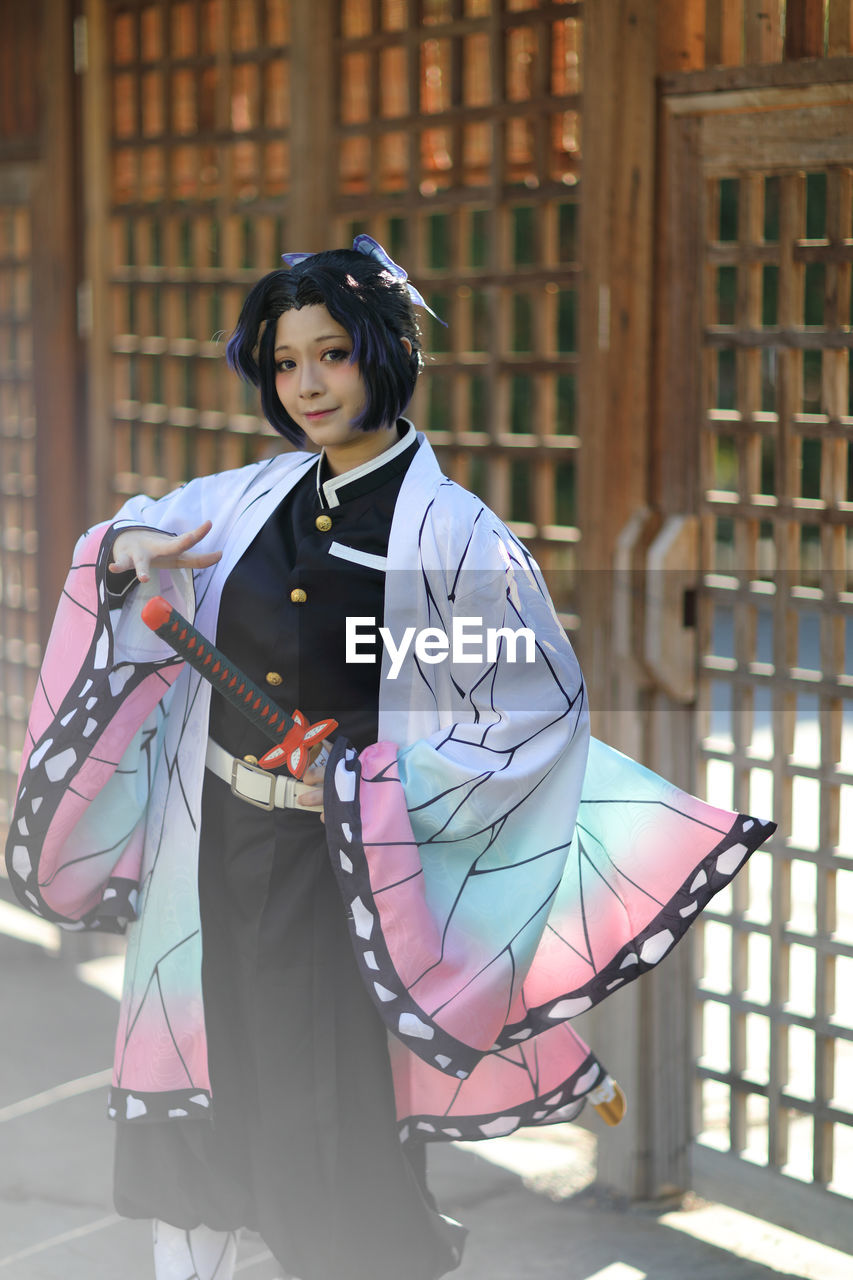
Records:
x=144, y=549
x=314, y=775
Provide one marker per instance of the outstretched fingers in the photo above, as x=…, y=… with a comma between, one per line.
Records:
x=142, y=549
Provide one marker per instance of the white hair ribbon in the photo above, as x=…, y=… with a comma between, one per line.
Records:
x=372, y=249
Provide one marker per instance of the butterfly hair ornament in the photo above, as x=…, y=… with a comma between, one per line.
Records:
x=372, y=249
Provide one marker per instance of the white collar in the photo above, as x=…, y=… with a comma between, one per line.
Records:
x=328, y=490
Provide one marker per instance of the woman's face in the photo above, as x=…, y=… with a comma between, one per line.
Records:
x=322, y=389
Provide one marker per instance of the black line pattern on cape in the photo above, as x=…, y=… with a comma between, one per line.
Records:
x=682, y=813
x=440, y=1047
x=660, y=804
x=534, y=1076
x=513, y=971
x=205, y=580
x=457, y=735
x=172, y=767
x=92, y=683
x=570, y=946
x=584, y=923
x=79, y=604
x=396, y=884
x=433, y=839
x=745, y=831
x=502, y=818
x=43, y=688
x=507, y=949
x=534, y=1112
x=85, y=857
x=462, y=558
x=169, y=1022
x=152, y=977
x=171, y=762
x=623, y=875
x=456, y=1092
x=96, y=683
x=450, y=916
x=439, y=795
x=513, y=866
x=445, y=928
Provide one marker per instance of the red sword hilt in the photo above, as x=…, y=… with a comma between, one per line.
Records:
x=293, y=735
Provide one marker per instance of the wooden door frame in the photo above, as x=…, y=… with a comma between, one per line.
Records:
x=698, y=109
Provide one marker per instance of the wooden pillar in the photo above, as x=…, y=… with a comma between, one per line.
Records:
x=681, y=35
x=804, y=22
x=95, y=200
x=55, y=274
x=762, y=32
x=314, y=84
x=615, y=328
x=724, y=34
x=804, y=28
x=839, y=36
x=642, y=1034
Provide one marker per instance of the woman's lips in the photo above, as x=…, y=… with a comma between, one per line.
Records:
x=319, y=413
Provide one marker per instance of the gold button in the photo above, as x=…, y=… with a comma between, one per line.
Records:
x=323, y=523
x=273, y=678
x=250, y=759
x=298, y=596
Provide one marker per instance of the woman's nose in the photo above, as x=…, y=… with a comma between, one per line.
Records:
x=310, y=380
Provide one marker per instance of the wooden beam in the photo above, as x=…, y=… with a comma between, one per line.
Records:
x=100, y=447
x=674, y=461
x=642, y=1035
x=55, y=267
x=792, y=75
x=724, y=33
x=804, y=23
x=619, y=127
x=312, y=124
x=840, y=28
x=681, y=35
x=615, y=298
x=762, y=32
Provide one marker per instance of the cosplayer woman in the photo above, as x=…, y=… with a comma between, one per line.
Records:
x=485, y=870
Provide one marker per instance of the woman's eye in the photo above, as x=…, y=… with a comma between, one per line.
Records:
x=284, y=366
x=335, y=354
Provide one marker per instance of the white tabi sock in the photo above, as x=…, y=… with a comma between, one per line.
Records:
x=198, y=1254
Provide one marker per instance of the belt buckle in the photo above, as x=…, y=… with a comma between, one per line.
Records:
x=267, y=804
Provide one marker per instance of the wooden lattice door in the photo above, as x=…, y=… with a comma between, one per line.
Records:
x=457, y=144
x=757, y=337
x=188, y=151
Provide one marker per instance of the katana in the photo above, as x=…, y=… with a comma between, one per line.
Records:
x=293, y=735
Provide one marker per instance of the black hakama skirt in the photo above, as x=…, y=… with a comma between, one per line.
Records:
x=302, y=1143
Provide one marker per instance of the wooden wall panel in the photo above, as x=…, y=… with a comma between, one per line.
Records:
x=839, y=28
x=683, y=34
x=762, y=32
x=751, y=33
x=457, y=144
x=804, y=28
x=20, y=78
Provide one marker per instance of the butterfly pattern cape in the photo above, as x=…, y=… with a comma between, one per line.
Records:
x=502, y=872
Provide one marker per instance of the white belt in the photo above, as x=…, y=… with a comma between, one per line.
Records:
x=257, y=786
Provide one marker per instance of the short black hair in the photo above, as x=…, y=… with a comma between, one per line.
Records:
x=362, y=296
